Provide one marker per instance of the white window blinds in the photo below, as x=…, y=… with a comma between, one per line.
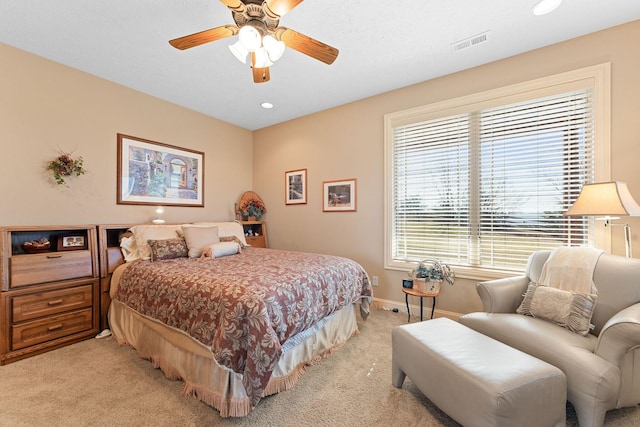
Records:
x=488, y=186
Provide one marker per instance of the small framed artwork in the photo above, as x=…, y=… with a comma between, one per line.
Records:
x=72, y=242
x=339, y=196
x=295, y=184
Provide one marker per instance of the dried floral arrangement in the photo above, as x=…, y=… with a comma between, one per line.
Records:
x=252, y=205
x=64, y=165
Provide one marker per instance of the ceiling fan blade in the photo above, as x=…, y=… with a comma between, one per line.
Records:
x=277, y=8
x=235, y=5
x=203, y=37
x=307, y=45
x=260, y=75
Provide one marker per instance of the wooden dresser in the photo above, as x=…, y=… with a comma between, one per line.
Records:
x=48, y=299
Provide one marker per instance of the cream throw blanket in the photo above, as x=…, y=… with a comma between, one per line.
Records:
x=571, y=269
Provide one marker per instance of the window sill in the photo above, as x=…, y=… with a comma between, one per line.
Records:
x=463, y=272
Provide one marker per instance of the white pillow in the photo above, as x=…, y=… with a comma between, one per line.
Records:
x=143, y=233
x=569, y=309
x=226, y=229
x=197, y=237
x=129, y=248
x=222, y=249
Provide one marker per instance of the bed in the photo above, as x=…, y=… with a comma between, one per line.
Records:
x=234, y=323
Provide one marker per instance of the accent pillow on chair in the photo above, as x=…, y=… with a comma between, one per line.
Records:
x=569, y=309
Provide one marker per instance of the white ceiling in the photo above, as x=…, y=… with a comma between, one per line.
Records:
x=384, y=45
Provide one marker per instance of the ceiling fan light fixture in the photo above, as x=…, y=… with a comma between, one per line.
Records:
x=239, y=51
x=262, y=59
x=274, y=48
x=250, y=38
x=260, y=36
x=545, y=6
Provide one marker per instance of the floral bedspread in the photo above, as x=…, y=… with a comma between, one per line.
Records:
x=244, y=306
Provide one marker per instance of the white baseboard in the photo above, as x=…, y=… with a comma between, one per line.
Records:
x=383, y=304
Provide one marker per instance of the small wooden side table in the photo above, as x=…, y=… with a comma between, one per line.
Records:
x=419, y=294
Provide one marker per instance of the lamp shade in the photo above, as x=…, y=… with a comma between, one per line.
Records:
x=604, y=199
x=239, y=51
x=261, y=59
x=274, y=48
x=250, y=38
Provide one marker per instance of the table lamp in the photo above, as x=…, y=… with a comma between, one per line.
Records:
x=157, y=219
x=607, y=201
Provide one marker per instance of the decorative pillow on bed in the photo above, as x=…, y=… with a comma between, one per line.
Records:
x=221, y=249
x=129, y=248
x=197, y=237
x=233, y=239
x=226, y=229
x=144, y=233
x=569, y=309
x=168, y=249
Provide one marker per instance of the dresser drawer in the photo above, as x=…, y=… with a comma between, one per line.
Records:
x=50, y=328
x=32, y=306
x=256, y=241
x=49, y=267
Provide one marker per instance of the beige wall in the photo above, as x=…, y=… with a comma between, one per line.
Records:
x=45, y=106
x=347, y=142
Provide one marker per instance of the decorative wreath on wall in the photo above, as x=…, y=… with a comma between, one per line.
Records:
x=64, y=166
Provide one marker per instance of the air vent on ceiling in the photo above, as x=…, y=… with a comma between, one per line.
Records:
x=471, y=41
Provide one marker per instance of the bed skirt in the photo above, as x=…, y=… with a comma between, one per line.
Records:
x=182, y=358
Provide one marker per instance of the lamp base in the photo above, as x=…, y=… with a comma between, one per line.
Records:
x=627, y=236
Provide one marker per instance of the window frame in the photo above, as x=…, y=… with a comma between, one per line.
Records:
x=596, y=77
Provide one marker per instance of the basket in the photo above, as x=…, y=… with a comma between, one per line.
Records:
x=426, y=285
x=429, y=274
x=36, y=246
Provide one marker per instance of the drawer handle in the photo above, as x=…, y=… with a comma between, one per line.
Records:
x=54, y=327
x=55, y=302
x=54, y=256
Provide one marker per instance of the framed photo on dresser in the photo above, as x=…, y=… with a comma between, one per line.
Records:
x=71, y=242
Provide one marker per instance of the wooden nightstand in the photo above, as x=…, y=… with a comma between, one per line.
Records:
x=48, y=299
x=110, y=257
x=255, y=233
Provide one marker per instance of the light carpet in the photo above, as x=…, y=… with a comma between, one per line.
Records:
x=98, y=383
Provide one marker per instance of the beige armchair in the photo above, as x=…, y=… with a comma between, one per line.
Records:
x=603, y=367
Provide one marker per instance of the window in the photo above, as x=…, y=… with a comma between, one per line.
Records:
x=480, y=182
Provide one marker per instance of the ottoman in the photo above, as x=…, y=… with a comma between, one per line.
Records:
x=477, y=380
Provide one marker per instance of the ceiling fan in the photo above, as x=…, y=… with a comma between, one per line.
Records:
x=260, y=35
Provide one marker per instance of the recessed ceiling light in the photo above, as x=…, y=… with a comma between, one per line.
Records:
x=266, y=105
x=545, y=6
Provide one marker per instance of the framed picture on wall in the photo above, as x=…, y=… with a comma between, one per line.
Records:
x=339, y=196
x=295, y=184
x=152, y=173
